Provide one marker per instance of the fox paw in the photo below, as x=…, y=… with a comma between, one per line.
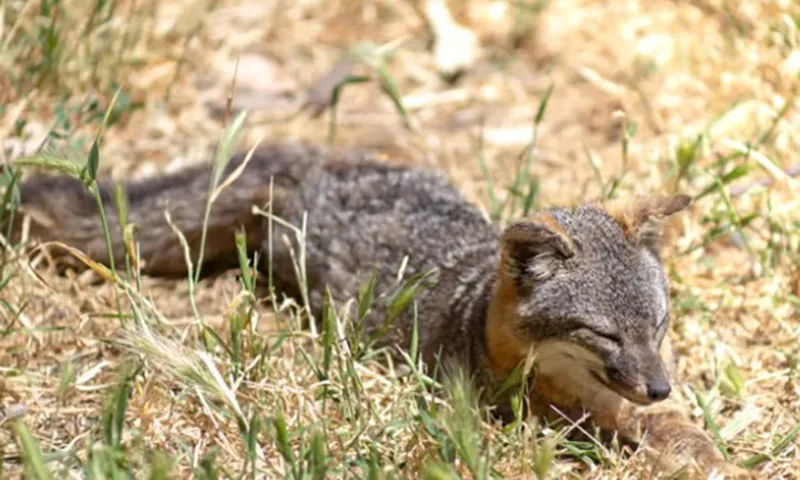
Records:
x=732, y=472
x=713, y=471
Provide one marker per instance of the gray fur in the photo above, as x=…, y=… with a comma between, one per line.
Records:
x=364, y=216
x=584, y=286
x=609, y=297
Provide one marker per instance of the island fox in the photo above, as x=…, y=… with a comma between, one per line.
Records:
x=582, y=288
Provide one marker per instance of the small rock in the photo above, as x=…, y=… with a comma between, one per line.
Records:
x=455, y=46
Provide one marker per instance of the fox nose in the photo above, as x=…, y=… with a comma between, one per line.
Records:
x=658, y=389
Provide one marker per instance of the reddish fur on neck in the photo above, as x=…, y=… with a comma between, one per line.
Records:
x=503, y=345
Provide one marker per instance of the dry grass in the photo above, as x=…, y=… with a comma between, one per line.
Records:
x=686, y=86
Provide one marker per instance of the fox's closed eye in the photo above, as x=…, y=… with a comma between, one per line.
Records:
x=611, y=337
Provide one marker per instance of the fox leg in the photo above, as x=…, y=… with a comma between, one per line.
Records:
x=673, y=442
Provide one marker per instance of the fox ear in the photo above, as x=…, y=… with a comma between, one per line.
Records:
x=531, y=249
x=642, y=220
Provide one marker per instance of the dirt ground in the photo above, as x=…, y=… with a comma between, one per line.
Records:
x=676, y=69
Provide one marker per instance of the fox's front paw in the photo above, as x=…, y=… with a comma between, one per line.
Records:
x=704, y=464
x=732, y=472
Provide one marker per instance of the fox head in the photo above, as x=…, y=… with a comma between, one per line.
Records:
x=585, y=288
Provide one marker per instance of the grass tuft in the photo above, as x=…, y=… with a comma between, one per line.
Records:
x=213, y=379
